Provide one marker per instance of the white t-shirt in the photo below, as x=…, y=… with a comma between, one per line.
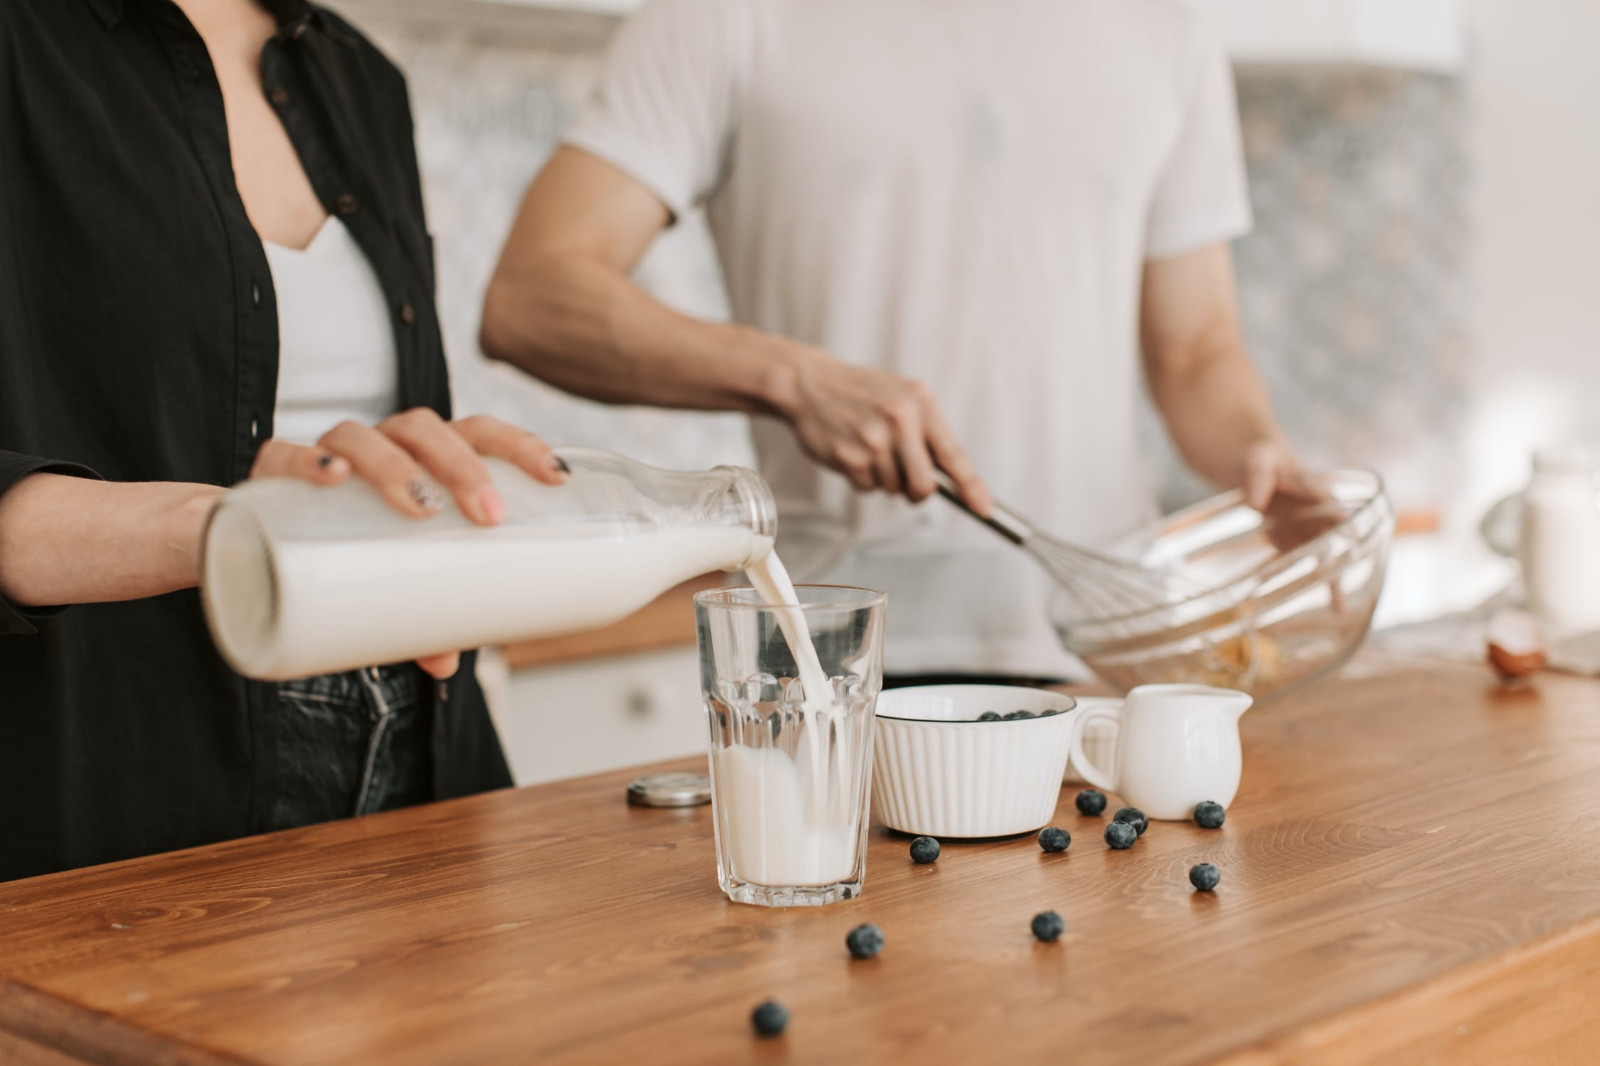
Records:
x=962, y=192
x=337, y=358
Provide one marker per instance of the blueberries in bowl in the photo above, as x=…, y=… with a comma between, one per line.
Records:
x=1018, y=715
x=989, y=716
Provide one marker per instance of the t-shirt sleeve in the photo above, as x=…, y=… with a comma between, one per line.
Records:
x=663, y=109
x=1201, y=196
x=14, y=466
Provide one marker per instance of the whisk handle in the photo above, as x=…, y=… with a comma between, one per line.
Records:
x=1000, y=519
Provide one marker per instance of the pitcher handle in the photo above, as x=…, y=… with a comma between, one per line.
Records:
x=1501, y=526
x=1080, y=760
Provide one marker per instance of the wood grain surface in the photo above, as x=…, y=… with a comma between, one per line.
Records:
x=1411, y=872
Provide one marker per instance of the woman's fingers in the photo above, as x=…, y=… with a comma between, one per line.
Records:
x=387, y=467
x=440, y=666
x=492, y=437
x=452, y=461
x=279, y=458
x=410, y=455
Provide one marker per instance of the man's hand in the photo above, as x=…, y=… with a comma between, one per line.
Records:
x=563, y=307
x=880, y=430
x=1270, y=468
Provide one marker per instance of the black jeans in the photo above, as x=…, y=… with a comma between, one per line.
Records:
x=351, y=744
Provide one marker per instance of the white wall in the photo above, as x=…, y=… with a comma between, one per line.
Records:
x=1536, y=216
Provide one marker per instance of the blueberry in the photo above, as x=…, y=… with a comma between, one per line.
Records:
x=1047, y=714
x=989, y=716
x=1091, y=801
x=1054, y=839
x=1204, y=877
x=924, y=849
x=1134, y=817
x=864, y=941
x=1015, y=715
x=1048, y=926
x=770, y=1018
x=1209, y=815
x=1121, y=835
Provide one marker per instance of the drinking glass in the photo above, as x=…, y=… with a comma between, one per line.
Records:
x=791, y=762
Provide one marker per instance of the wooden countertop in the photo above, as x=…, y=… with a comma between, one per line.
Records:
x=1411, y=872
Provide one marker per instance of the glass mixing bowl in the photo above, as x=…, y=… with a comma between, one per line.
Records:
x=1286, y=596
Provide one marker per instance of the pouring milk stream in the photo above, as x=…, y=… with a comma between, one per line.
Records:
x=299, y=580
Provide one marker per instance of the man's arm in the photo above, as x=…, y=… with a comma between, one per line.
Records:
x=562, y=307
x=1214, y=403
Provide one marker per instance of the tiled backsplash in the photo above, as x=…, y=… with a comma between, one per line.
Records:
x=1352, y=285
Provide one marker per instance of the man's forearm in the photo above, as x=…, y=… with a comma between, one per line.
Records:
x=73, y=540
x=581, y=325
x=1215, y=407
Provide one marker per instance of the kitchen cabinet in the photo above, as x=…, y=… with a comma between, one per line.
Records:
x=1424, y=35
x=583, y=717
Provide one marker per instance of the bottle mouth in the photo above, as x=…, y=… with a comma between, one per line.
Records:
x=748, y=499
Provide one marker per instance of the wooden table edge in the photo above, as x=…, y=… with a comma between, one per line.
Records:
x=72, y=1032
x=1469, y=1003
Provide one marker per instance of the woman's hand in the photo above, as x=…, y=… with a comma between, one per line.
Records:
x=409, y=458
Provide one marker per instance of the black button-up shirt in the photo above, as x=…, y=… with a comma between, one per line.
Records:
x=139, y=341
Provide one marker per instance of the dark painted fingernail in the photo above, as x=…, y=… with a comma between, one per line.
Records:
x=324, y=460
x=427, y=495
x=560, y=464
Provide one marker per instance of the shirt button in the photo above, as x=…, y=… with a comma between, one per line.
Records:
x=279, y=95
x=346, y=204
x=255, y=430
x=408, y=314
x=255, y=295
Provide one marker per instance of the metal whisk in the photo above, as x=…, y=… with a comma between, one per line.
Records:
x=1103, y=586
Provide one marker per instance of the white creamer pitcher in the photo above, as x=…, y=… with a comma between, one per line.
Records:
x=1176, y=746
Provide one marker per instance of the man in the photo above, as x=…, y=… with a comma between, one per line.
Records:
x=949, y=229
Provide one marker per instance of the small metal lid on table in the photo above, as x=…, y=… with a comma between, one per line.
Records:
x=670, y=790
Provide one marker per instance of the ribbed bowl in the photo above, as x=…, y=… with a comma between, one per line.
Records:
x=937, y=772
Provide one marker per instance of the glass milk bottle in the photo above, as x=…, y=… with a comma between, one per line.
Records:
x=299, y=579
x=1560, y=542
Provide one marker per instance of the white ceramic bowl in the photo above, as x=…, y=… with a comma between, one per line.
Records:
x=937, y=772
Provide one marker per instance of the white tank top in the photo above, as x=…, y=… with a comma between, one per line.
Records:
x=336, y=349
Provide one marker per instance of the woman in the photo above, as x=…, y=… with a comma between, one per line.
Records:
x=213, y=265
